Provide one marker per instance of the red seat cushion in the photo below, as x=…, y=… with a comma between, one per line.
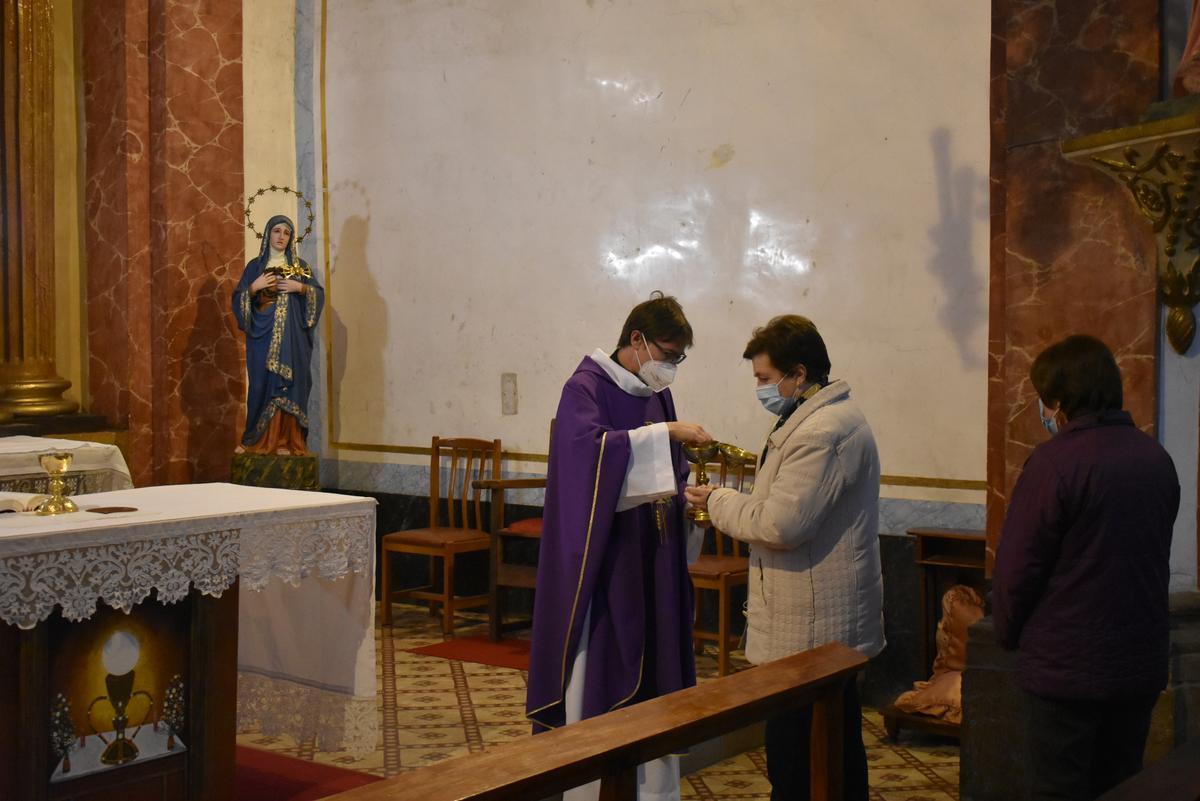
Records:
x=438, y=536
x=529, y=527
x=709, y=565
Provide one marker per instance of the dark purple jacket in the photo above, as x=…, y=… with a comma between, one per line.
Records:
x=1081, y=574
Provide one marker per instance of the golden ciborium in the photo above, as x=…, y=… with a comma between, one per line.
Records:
x=701, y=455
x=735, y=456
x=56, y=464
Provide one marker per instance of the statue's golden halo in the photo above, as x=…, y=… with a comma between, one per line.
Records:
x=288, y=190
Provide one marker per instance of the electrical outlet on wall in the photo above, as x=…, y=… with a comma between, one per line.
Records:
x=508, y=393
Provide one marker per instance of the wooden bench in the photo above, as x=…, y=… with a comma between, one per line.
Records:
x=610, y=747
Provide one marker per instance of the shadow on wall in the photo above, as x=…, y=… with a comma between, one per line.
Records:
x=358, y=371
x=212, y=388
x=963, y=310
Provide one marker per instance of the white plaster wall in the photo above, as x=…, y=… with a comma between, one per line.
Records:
x=506, y=183
x=269, y=138
x=1179, y=432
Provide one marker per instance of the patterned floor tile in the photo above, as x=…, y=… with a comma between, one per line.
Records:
x=433, y=709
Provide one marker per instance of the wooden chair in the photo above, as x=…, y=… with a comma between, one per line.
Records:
x=503, y=574
x=472, y=459
x=729, y=567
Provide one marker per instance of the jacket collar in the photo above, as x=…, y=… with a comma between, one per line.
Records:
x=1109, y=417
x=832, y=392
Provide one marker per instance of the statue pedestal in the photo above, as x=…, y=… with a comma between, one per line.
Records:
x=272, y=470
x=994, y=761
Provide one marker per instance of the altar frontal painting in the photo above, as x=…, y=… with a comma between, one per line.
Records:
x=118, y=689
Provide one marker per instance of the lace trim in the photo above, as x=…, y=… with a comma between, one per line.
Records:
x=121, y=574
x=338, y=722
x=327, y=548
x=124, y=574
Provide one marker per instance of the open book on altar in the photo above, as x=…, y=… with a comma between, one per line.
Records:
x=20, y=501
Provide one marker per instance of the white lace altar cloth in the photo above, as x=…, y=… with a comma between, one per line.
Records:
x=95, y=467
x=306, y=564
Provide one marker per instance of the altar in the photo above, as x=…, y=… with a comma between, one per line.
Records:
x=95, y=466
x=225, y=608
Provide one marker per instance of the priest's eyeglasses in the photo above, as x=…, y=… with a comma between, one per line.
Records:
x=669, y=356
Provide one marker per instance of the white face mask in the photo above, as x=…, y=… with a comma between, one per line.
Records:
x=654, y=374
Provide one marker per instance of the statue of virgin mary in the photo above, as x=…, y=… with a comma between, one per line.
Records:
x=277, y=304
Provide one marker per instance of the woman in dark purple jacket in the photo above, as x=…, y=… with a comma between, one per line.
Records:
x=1081, y=575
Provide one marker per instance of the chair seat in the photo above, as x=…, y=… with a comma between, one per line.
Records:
x=427, y=537
x=529, y=527
x=709, y=565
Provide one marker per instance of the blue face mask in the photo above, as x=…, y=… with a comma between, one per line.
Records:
x=1048, y=423
x=772, y=401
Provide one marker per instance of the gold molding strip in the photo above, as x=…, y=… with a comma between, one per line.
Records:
x=933, y=483
x=521, y=456
x=417, y=450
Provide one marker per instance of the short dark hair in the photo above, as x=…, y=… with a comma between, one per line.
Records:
x=789, y=341
x=659, y=319
x=1079, y=375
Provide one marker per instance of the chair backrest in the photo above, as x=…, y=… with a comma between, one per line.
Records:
x=467, y=460
x=731, y=473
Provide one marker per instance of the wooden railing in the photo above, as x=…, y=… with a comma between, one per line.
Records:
x=610, y=747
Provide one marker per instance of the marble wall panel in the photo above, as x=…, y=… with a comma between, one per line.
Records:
x=117, y=235
x=163, y=103
x=1078, y=67
x=1069, y=254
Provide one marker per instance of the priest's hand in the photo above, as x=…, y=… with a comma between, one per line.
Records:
x=698, y=496
x=688, y=433
x=291, y=285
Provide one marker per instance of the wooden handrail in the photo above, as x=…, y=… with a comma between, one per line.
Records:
x=610, y=747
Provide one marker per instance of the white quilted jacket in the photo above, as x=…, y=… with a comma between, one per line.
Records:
x=812, y=521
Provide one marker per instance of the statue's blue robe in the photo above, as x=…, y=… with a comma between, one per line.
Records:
x=279, y=346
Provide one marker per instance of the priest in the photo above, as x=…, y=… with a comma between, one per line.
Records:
x=612, y=621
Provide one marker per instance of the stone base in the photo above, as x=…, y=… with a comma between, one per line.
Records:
x=994, y=764
x=270, y=470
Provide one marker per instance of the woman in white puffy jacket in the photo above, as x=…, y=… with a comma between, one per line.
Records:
x=812, y=521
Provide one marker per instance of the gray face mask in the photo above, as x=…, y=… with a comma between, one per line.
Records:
x=772, y=401
x=1048, y=423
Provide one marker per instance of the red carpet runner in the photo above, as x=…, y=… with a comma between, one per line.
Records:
x=508, y=653
x=266, y=776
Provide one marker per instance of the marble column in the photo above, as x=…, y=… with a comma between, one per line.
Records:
x=1069, y=252
x=29, y=380
x=163, y=104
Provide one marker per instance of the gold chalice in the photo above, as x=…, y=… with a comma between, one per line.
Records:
x=700, y=455
x=56, y=464
x=735, y=456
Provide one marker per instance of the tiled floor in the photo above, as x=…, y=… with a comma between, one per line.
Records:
x=432, y=709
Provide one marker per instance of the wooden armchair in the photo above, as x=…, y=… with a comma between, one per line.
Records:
x=503, y=574
x=729, y=567
x=469, y=460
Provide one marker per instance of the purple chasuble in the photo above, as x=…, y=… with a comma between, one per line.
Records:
x=633, y=576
